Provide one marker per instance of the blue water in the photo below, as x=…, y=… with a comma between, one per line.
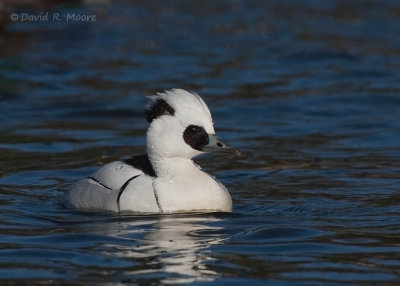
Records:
x=309, y=91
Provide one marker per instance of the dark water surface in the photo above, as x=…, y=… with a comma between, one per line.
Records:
x=308, y=90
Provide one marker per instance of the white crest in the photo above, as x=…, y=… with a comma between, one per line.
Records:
x=189, y=108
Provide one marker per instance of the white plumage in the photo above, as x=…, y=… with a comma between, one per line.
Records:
x=165, y=180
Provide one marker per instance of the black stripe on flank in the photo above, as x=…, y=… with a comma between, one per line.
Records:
x=98, y=182
x=122, y=189
x=157, y=200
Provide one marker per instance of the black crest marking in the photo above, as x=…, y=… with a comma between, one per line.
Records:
x=160, y=107
x=141, y=162
x=196, y=137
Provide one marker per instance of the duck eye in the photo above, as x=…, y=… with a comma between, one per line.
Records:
x=194, y=129
x=196, y=137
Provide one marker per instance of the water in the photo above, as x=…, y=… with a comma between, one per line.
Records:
x=307, y=90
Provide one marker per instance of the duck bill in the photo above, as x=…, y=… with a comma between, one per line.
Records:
x=216, y=145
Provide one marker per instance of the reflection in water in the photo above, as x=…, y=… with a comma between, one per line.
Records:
x=175, y=245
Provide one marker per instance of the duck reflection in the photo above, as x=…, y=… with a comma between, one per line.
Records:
x=172, y=248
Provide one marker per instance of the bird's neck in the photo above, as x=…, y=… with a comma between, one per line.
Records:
x=174, y=167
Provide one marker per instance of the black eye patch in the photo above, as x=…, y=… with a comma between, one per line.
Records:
x=160, y=107
x=196, y=137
